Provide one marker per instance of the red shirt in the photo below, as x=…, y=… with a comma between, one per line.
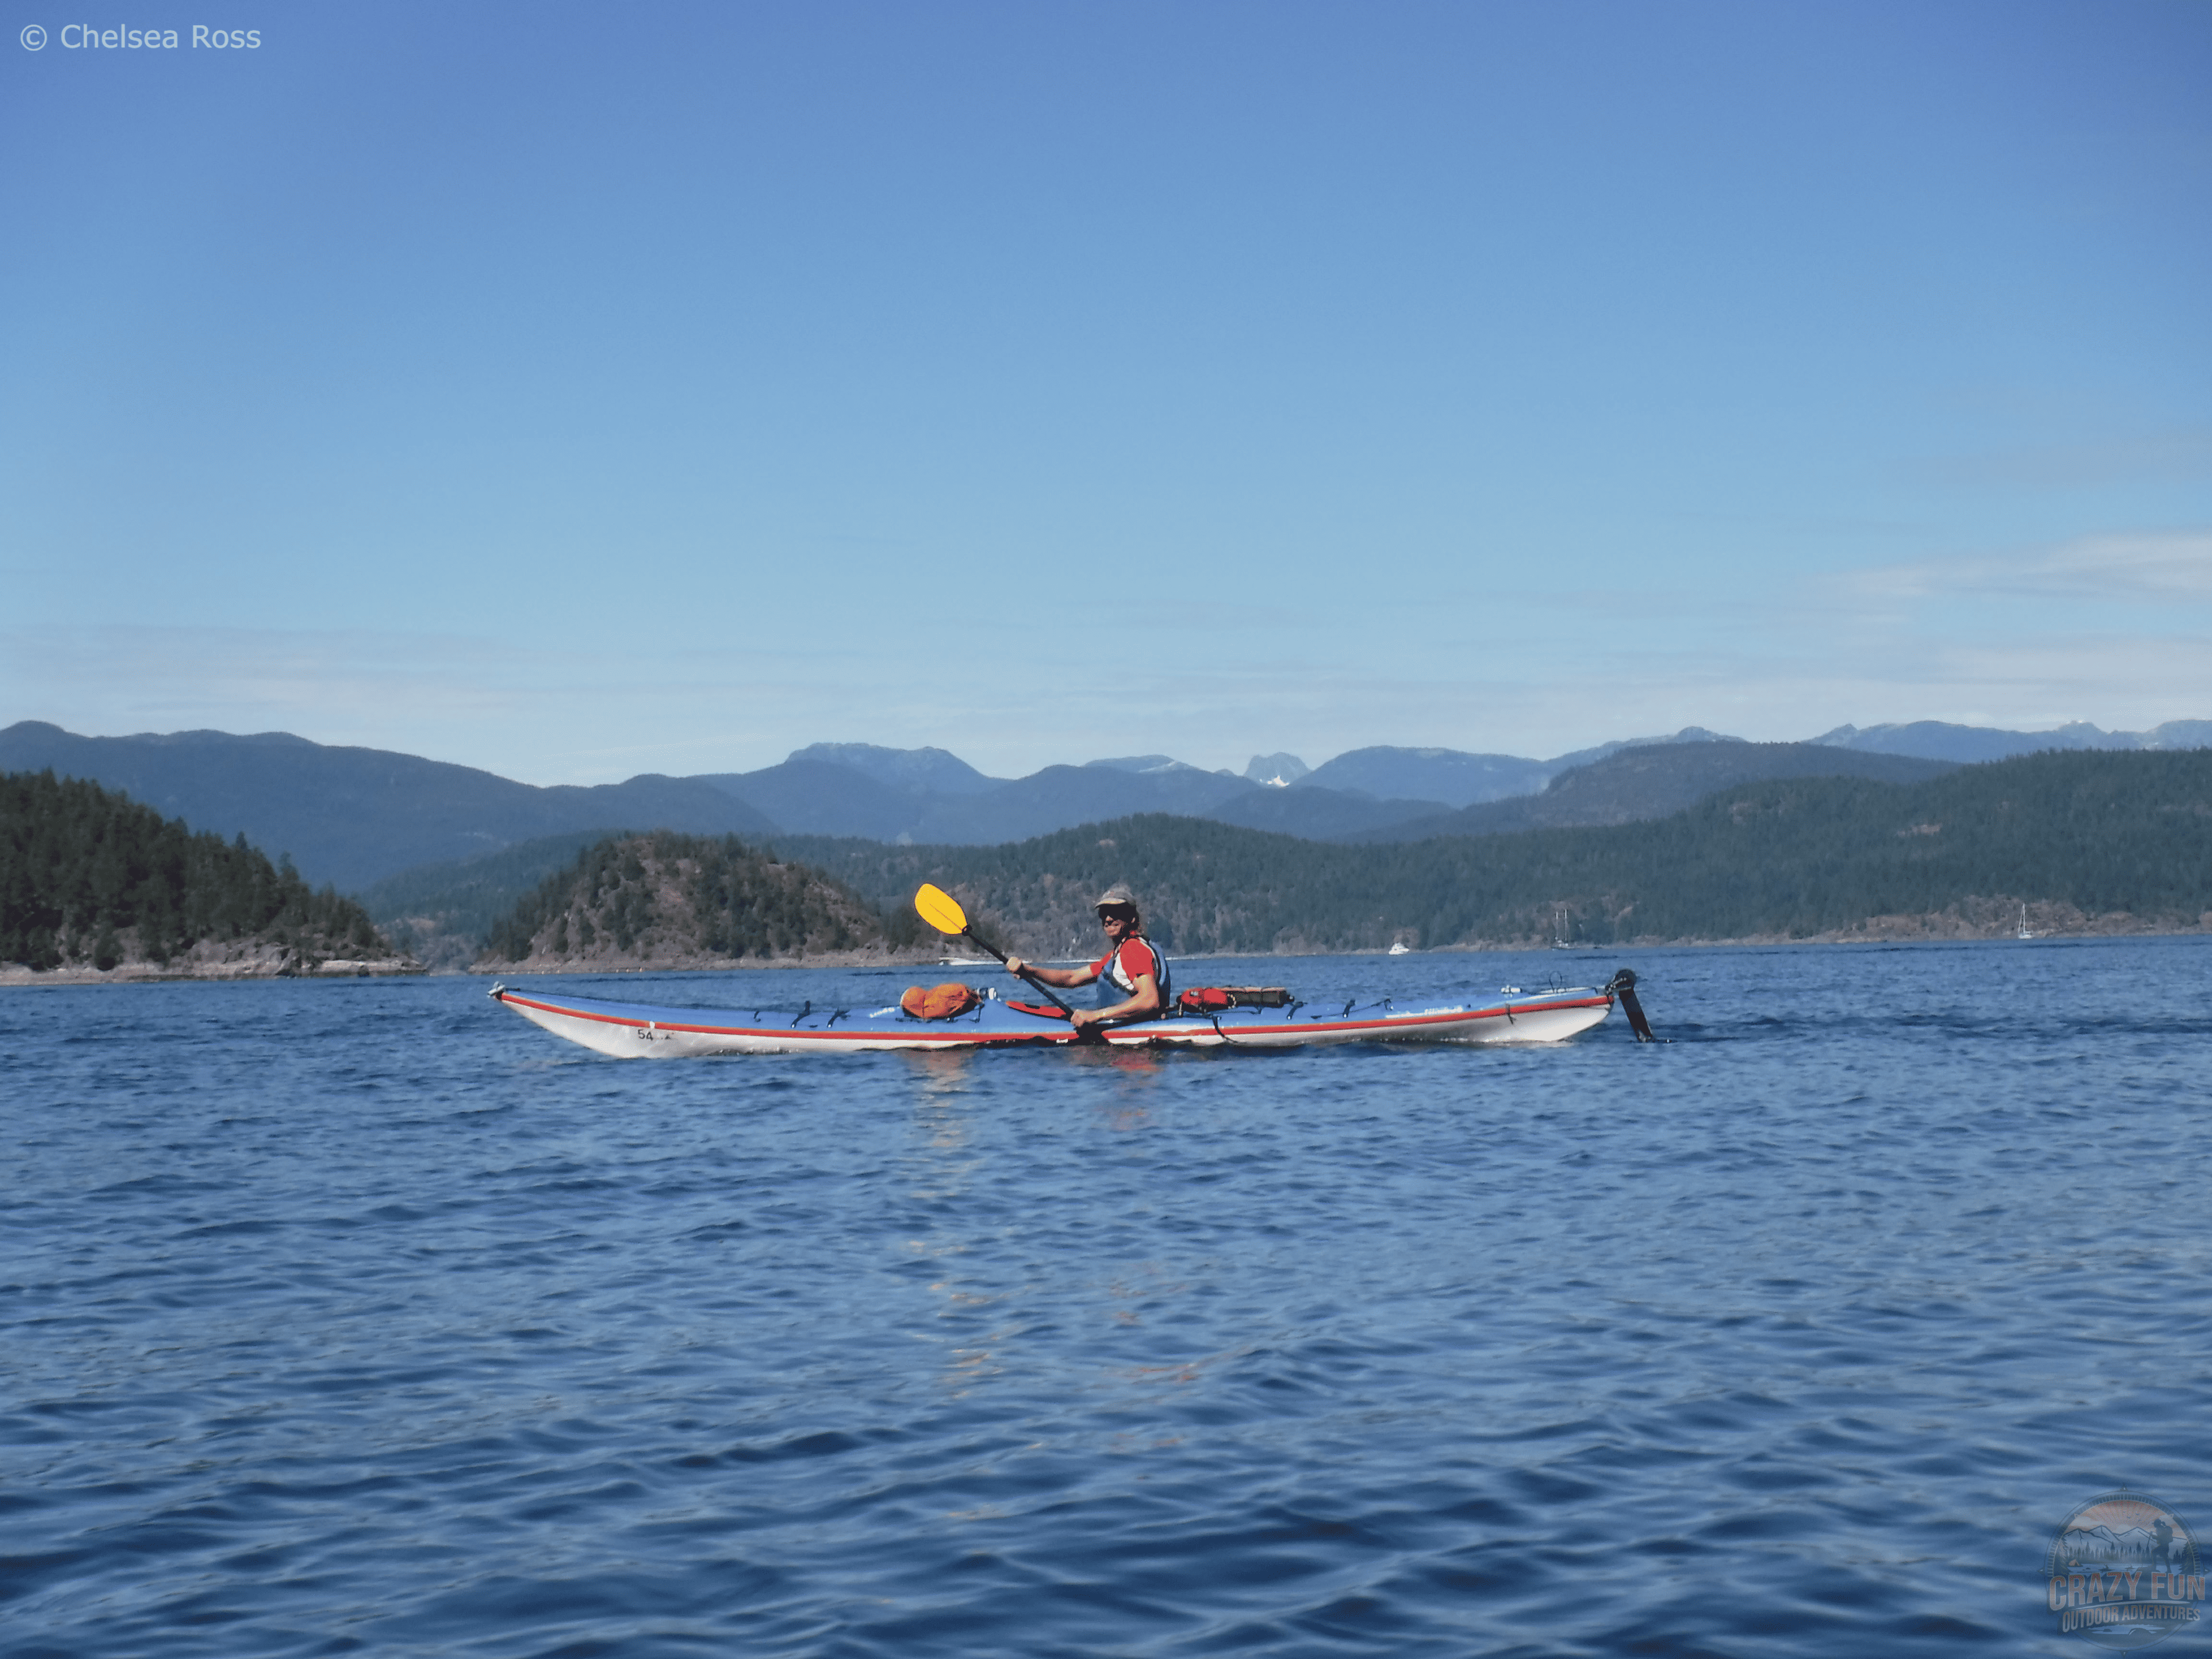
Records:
x=1136, y=956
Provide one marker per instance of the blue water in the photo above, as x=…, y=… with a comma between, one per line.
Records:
x=366, y=1317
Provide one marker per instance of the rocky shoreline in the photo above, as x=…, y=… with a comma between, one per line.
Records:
x=240, y=960
x=698, y=962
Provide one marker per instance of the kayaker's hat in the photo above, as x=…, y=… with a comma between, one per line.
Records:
x=1117, y=898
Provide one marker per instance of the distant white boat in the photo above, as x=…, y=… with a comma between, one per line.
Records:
x=2025, y=932
x=1400, y=948
x=1561, y=927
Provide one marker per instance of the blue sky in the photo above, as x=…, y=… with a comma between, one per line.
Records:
x=584, y=392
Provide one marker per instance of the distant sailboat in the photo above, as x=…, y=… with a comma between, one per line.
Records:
x=1561, y=928
x=2025, y=932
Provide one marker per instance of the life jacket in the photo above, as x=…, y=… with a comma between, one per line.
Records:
x=1123, y=979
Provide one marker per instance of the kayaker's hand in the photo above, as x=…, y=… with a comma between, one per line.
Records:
x=1014, y=965
x=1083, y=1017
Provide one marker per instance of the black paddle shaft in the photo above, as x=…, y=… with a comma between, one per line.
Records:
x=1042, y=988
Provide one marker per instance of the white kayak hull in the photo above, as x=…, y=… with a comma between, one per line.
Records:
x=643, y=1032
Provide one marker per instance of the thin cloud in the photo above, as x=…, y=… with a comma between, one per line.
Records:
x=1794, y=671
x=2171, y=565
x=2182, y=455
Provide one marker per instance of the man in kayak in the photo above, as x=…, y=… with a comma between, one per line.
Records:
x=1133, y=965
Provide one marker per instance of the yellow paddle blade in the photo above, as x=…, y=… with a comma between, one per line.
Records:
x=940, y=910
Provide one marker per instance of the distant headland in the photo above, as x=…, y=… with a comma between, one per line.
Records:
x=95, y=887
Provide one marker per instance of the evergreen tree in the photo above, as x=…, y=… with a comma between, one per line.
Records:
x=81, y=866
x=677, y=893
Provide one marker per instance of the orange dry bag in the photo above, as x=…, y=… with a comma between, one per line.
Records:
x=947, y=1001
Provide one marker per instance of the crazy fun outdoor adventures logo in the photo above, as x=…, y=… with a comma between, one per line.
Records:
x=2123, y=1572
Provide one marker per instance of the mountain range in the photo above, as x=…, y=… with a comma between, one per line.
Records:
x=1939, y=740
x=348, y=816
x=353, y=817
x=1651, y=781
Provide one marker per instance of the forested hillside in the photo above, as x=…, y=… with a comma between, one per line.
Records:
x=355, y=815
x=2089, y=842
x=1651, y=780
x=90, y=877
x=440, y=913
x=669, y=900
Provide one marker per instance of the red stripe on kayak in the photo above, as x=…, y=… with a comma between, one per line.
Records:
x=1401, y=1022
x=775, y=1030
x=766, y=1031
x=1395, y=1023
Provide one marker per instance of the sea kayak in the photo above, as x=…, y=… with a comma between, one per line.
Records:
x=631, y=1031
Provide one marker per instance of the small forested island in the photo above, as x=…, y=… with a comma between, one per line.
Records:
x=667, y=900
x=95, y=886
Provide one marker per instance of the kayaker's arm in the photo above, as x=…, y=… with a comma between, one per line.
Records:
x=1067, y=979
x=1144, y=1004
